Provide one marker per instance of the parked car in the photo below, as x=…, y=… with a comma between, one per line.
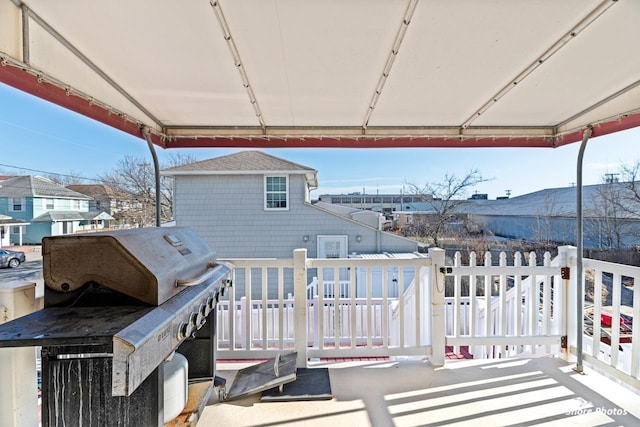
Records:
x=11, y=259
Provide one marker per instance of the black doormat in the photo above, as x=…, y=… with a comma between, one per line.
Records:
x=310, y=384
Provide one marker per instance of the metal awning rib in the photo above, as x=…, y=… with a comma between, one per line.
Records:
x=308, y=74
x=555, y=48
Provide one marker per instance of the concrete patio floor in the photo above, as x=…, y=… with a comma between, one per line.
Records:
x=410, y=392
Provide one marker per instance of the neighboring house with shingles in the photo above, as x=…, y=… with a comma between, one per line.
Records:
x=50, y=208
x=104, y=198
x=252, y=205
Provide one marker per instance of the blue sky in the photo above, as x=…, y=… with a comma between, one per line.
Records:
x=39, y=136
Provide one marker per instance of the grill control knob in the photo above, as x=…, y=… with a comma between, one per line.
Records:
x=204, y=311
x=193, y=319
x=198, y=319
x=211, y=303
x=184, y=330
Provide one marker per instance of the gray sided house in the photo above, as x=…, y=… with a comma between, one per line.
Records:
x=253, y=205
x=49, y=209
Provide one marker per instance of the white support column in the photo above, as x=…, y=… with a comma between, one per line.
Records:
x=570, y=254
x=300, y=305
x=18, y=388
x=437, y=307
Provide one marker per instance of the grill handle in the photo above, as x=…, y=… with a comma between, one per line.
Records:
x=198, y=280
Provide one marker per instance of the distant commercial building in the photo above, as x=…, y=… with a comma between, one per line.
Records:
x=385, y=203
x=479, y=196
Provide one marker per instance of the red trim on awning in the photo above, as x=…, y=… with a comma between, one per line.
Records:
x=27, y=82
x=606, y=128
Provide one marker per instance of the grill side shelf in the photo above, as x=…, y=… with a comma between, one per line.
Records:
x=65, y=326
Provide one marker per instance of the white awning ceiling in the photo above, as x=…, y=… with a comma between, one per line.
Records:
x=333, y=73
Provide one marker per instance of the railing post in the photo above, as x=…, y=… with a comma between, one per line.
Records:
x=300, y=305
x=568, y=256
x=437, y=307
x=18, y=391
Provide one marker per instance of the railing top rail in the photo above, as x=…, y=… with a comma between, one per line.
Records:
x=507, y=269
x=612, y=267
x=360, y=262
x=260, y=262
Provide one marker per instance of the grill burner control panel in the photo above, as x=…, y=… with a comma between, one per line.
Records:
x=143, y=345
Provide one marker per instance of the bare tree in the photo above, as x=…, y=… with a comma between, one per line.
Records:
x=606, y=219
x=444, y=200
x=543, y=235
x=72, y=178
x=134, y=178
x=631, y=200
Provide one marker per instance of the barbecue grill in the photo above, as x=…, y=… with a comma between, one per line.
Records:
x=125, y=314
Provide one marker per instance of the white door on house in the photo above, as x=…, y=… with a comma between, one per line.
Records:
x=334, y=247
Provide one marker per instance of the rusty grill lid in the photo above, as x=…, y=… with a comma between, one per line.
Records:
x=148, y=264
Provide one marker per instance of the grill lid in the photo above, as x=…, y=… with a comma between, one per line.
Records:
x=148, y=264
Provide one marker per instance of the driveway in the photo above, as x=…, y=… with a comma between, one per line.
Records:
x=29, y=271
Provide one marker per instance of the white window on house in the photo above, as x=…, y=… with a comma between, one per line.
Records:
x=48, y=204
x=332, y=246
x=15, y=230
x=276, y=193
x=17, y=204
x=75, y=205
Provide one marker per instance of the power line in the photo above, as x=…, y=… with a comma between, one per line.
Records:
x=50, y=173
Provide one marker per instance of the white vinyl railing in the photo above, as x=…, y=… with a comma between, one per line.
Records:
x=525, y=306
x=258, y=317
x=328, y=288
x=498, y=310
x=617, y=352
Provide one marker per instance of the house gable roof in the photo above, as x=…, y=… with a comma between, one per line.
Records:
x=244, y=163
x=7, y=220
x=53, y=216
x=95, y=191
x=36, y=186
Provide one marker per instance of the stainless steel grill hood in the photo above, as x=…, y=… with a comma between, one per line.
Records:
x=146, y=264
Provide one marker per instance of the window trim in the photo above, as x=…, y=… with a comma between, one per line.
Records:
x=265, y=192
x=45, y=206
x=23, y=203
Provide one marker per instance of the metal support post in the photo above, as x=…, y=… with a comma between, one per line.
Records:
x=146, y=132
x=579, y=241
